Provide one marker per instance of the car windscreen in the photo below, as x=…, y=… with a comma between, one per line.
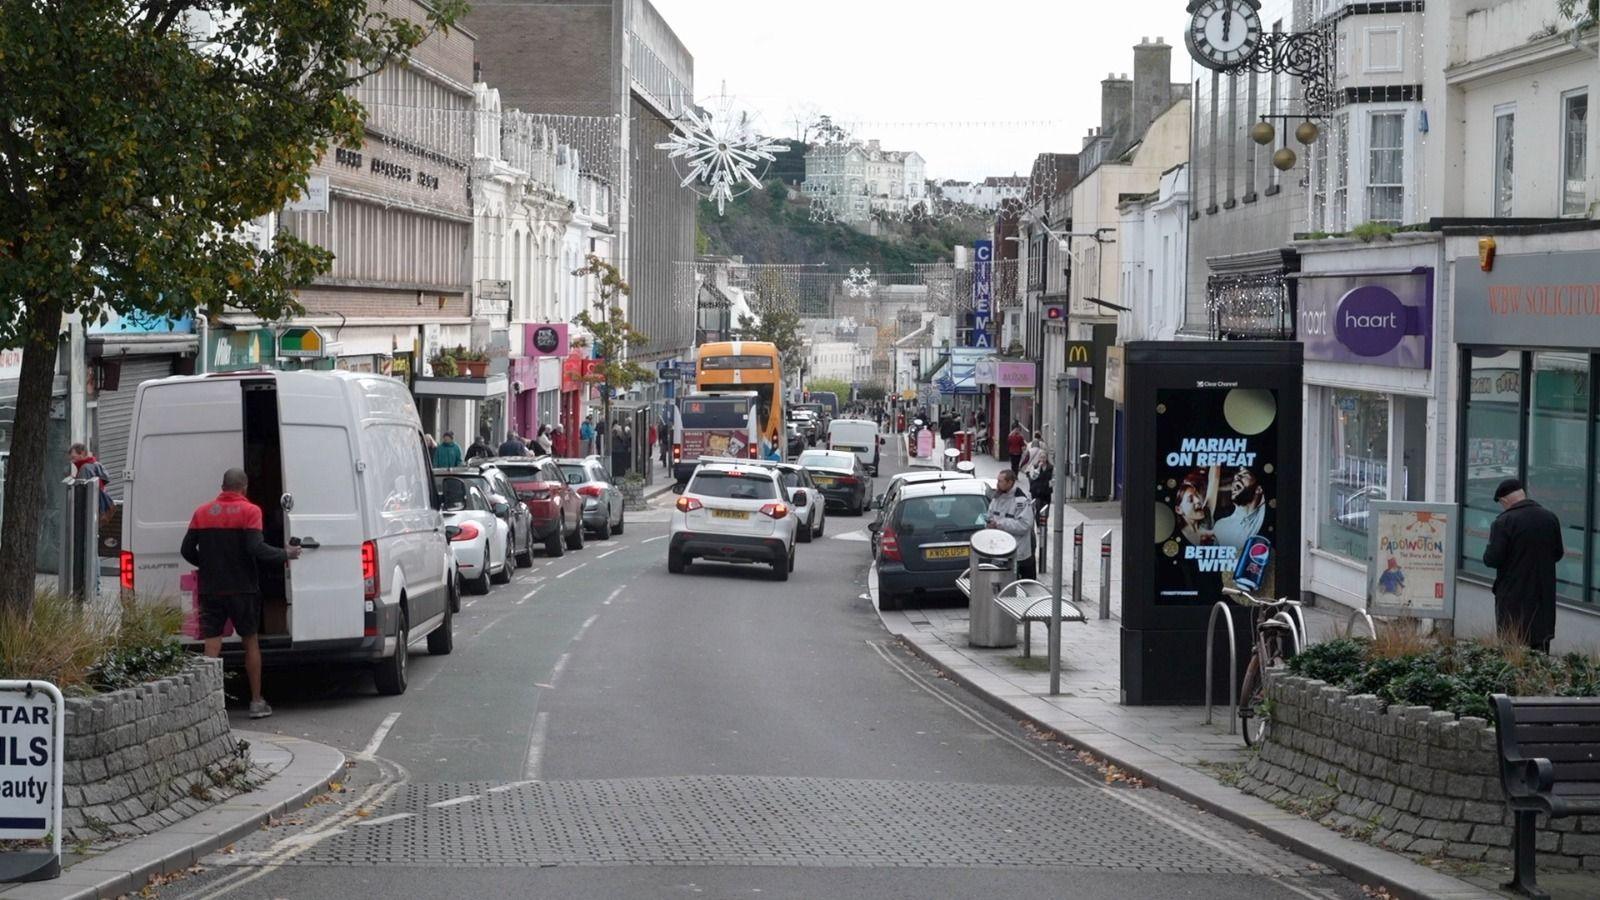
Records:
x=528, y=471
x=716, y=414
x=827, y=460
x=733, y=486
x=455, y=491
x=790, y=477
x=575, y=473
x=943, y=515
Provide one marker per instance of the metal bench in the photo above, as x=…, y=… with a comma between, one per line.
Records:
x=1549, y=763
x=1028, y=601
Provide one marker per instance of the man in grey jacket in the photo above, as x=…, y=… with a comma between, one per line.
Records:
x=1011, y=511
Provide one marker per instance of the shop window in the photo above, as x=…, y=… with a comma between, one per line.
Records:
x=1491, y=438
x=1557, y=451
x=1574, y=153
x=1386, y=153
x=1505, y=122
x=1357, y=442
x=1339, y=206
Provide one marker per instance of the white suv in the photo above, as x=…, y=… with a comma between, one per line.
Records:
x=731, y=512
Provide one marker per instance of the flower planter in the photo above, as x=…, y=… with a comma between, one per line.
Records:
x=467, y=368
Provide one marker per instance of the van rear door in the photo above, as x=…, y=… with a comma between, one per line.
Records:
x=322, y=507
x=185, y=435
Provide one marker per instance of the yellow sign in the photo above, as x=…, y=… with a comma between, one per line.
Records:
x=1080, y=353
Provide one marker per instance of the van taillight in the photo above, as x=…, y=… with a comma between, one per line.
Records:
x=125, y=569
x=755, y=451
x=369, y=570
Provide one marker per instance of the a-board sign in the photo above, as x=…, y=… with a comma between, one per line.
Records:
x=31, y=746
x=1412, y=559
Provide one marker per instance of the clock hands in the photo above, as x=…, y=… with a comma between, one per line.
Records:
x=1227, y=22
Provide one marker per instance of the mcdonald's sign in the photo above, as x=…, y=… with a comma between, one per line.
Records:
x=1080, y=353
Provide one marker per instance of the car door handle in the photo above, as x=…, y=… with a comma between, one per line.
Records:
x=306, y=543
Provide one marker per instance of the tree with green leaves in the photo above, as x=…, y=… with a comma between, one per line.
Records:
x=137, y=138
x=610, y=333
x=835, y=386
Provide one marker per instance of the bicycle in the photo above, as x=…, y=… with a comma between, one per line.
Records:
x=1276, y=632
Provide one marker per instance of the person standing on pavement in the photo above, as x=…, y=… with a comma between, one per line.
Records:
x=558, y=441
x=586, y=434
x=224, y=543
x=84, y=465
x=1016, y=442
x=1011, y=511
x=513, y=445
x=480, y=448
x=448, y=454
x=1524, y=547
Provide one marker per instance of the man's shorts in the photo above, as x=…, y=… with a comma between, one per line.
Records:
x=217, y=609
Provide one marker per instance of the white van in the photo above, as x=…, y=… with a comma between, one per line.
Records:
x=859, y=436
x=337, y=463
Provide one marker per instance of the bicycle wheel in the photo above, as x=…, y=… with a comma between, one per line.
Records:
x=1253, y=721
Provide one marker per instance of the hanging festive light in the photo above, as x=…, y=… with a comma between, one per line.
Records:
x=724, y=155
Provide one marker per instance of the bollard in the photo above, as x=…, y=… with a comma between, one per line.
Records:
x=1105, y=575
x=1077, y=564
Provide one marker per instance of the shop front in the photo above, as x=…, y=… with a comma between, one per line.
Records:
x=1527, y=326
x=1374, y=404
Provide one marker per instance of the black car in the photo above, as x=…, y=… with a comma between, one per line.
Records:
x=923, y=540
x=841, y=478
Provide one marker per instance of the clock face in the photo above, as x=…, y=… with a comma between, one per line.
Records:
x=1223, y=33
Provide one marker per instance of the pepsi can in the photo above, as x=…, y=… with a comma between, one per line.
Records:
x=1251, y=569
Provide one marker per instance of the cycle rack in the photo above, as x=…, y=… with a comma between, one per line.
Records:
x=1233, y=664
x=1296, y=630
x=1350, y=624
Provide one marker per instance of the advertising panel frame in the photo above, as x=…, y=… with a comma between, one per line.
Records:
x=1384, y=573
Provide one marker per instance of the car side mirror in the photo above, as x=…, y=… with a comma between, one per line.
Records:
x=502, y=508
x=679, y=487
x=874, y=526
x=799, y=496
x=451, y=532
x=877, y=502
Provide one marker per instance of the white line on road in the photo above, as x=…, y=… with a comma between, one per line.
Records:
x=468, y=604
x=613, y=595
x=384, y=820
x=659, y=537
x=555, y=673
x=454, y=801
x=608, y=553
x=585, y=627
x=529, y=595
x=509, y=787
x=378, y=736
x=541, y=725
x=571, y=570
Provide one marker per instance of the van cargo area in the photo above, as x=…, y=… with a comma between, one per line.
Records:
x=263, y=463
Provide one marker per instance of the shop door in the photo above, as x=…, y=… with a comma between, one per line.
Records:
x=113, y=417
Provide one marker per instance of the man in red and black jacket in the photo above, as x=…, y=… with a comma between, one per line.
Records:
x=224, y=542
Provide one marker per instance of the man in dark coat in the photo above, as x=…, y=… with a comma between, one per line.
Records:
x=1524, y=546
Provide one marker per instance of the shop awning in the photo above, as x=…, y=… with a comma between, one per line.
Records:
x=461, y=388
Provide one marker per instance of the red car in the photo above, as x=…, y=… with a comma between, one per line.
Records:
x=557, y=510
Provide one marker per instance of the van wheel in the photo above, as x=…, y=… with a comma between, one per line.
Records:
x=575, y=539
x=617, y=528
x=442, y=640
x=390, y=674
x=506, y=568
x=552, y=544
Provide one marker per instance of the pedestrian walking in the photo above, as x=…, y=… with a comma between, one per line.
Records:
x=621, y=446
x=84, y=465
x=480, y=447
x=513, y=445
x=558, y=441
x=1011, y=511
x=224, y=542
x=1016, y=442
x=586, y=434
x=1524, y=547
x=448, y=454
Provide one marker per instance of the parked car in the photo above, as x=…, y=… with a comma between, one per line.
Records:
x=840, y=476
x=797, y=441
x=481, y=543
x=923, y=538
x=602, y=499
x=858, y=436
x=557, y=510
x=732, y=512
x=502, y=498
x=336, y=461
x=897, y=483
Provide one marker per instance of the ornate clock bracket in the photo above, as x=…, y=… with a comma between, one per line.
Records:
x=1307, y=55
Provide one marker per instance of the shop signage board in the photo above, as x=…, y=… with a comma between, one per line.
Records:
x=1529, y=300
x=982, y=292
x=1413, y=559
x=1218, y=467
x=32, y=726
x=315, y=198
x=548, y=339
x=1383, y=319
x=1114, y=364
x=303, y=342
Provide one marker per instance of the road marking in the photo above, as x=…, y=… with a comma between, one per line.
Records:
x=659, y=537
x=555, y=672
x=608, y=553
x=453, y=801
x=529, y=595
x=613, y=595
x=378, y=736
x=384, y=820
x=541, y=725
x=571, y=570
x=585, y=627
x=509, y=787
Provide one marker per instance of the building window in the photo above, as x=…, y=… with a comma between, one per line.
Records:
x=1574, y=153
x=1386, y=152
x=1319, y=183
x=1557, y=451
x=1383, y=50
x=1505, y=121
x=1339, y=203
x=1357, y=440
x=1492, y=433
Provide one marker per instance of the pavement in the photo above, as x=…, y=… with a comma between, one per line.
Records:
x=297, y=769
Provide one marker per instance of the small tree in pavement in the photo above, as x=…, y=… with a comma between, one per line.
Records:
x=137, y=138
x=610, y=333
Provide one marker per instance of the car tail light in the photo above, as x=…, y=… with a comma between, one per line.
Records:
x=590, y=490
x=125, y=569
x=775, y=510
x=889, y=544
x=369, y=570
x=688, y=504
x=539, y=493
x=849, y=480
x=468, y=532
x=677, y=452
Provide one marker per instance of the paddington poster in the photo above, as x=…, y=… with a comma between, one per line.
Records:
x=1216, y=489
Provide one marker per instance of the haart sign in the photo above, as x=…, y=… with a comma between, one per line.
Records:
x=1379, y=319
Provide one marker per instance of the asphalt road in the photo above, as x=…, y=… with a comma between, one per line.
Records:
x=605, y=729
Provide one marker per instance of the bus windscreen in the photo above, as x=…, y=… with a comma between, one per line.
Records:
x=716, y=413
x=736, y=362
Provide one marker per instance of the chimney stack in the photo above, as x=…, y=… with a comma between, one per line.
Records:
x=1116, y=102
x=1152, y=82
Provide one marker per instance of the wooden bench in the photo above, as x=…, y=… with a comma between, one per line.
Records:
x=1549, y=763
x=1028, y=601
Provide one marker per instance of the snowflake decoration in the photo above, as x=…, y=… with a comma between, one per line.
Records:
x=724, y=155
x=860, y=283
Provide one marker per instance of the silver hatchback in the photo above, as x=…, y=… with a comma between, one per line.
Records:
x=602, y=499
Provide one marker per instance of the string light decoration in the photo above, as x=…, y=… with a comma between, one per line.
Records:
x=722, y=151
x=860, y=283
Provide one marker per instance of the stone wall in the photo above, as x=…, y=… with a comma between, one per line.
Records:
x=142, y=758
x=1407, y=778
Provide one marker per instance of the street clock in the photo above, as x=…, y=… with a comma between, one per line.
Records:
x=1223, y=33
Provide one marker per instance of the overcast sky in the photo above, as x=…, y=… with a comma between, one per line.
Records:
x=939, y=62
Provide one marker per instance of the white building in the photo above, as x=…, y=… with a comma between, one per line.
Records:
x=988, y=194
x=1154, y=233
x=844, y=361
x=855, y=180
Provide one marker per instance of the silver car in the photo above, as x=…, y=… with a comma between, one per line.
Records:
x=602, y=499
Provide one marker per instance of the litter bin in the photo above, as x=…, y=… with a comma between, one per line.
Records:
x=993, y=565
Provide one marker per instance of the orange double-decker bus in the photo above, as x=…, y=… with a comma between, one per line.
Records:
x=747, y=366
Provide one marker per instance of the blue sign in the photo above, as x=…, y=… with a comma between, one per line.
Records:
x=982, y=291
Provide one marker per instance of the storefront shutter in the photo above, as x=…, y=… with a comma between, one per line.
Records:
x=114, y=414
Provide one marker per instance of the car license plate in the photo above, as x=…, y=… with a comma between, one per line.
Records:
x=822, y=482
x=944, y=552
x=729, y=514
